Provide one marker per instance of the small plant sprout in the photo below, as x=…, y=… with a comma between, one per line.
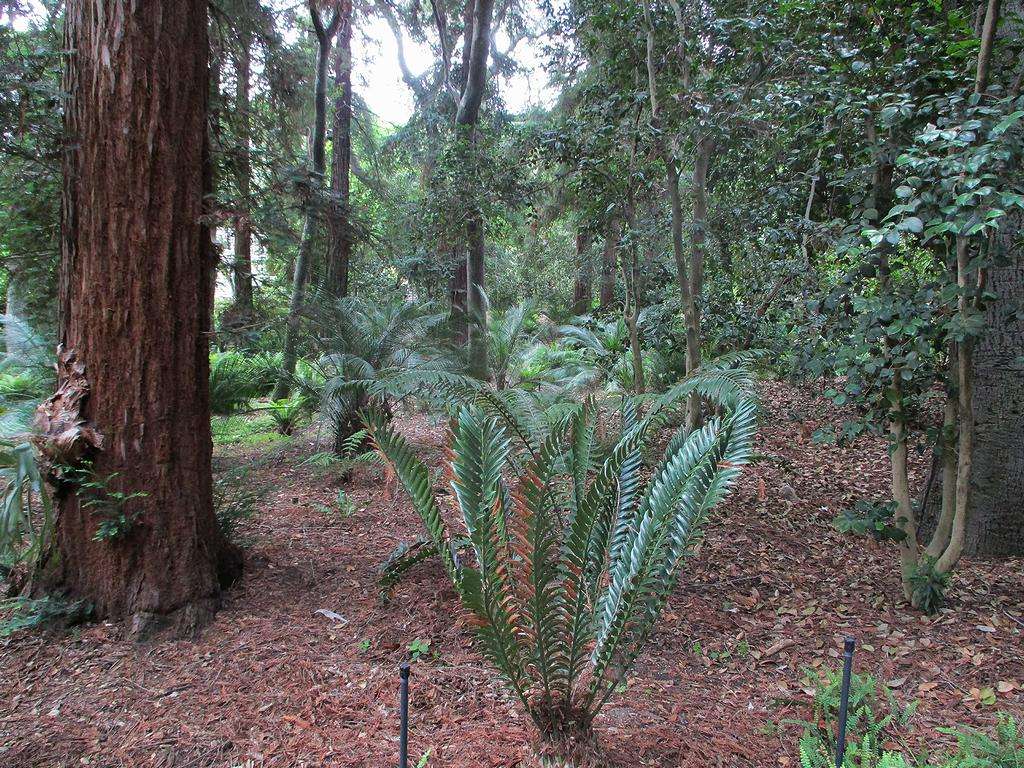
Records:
x=418, y=648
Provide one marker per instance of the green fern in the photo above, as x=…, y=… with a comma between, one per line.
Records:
x=573, y=557
x=979, y=750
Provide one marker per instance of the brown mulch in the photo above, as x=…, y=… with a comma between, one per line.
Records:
x=274, y=682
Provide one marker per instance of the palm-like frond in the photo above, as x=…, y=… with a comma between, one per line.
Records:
x=574, y=563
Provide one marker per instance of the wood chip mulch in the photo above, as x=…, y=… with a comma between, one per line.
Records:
x=300, y=667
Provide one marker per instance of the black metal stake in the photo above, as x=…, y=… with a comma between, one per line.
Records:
x=403, y=709
x=844, y=699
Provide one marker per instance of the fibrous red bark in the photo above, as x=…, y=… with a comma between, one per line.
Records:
x=136, y=296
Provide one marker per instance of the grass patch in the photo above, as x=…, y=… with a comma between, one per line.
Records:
x=255, y=429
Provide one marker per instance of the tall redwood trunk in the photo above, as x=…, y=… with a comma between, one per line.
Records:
x=339, y=255
x=608, y=262
x=242, y=267
x=583, y=292
x=136, y=287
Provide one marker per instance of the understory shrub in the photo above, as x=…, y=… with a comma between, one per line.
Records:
x=573, y=554
x=875, y=718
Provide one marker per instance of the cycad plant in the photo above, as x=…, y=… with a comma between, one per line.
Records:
x=573, y=554
x=369, y=350
x=509, y=341
x=604, y=345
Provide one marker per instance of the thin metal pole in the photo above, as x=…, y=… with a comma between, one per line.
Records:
x=844, y=699
x=403, y=709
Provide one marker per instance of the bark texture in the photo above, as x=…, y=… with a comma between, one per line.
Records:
x=995, y=525
x=339, y=255
x=242, y=267
x=582, y=293
x=609, y=259
x=136, y=288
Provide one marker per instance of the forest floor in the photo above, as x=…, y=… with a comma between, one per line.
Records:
x=301, y=665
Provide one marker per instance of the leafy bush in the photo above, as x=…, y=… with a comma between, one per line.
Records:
x=979, y=750
x=573, y=567
x=28, y=384
x=604, y=346
x=263, y=372
x=245, y=430
x=26, y=513
x=928, y=586
x=870, y=517
x=875, y=718
x=26, y=613
x=368, y=347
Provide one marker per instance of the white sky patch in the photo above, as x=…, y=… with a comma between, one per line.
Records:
x=377, y=78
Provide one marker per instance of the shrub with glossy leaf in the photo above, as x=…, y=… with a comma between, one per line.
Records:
x=573, y=557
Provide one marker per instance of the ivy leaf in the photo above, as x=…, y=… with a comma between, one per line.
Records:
x=913, y=224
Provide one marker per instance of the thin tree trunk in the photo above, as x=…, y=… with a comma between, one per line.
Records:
x=324, y=35
x=339, y=256
x=948, y=461
x=685, y=290
x=690, y=276
x=457, y=289
x=805, y=238
x=466, y=120
x=582, y=293
x=965, y=408
x=135, y=247
x=904, y=514
x=698, y=237
x=476, y=309
x=242, y=268
x=631, y=307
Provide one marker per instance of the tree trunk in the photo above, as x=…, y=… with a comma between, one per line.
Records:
x=631, y=307
x=242, y=268
x=698, y=238
x=466, y=119
x=582, y=295
x=608, y=262
x=135, y=248
x=457, y=289
x=476, y=308
x=318, y=159
x=995, y=523
x=686, y=288
x=340, y=254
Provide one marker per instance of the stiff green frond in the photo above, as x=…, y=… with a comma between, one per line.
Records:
x=416, y=480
